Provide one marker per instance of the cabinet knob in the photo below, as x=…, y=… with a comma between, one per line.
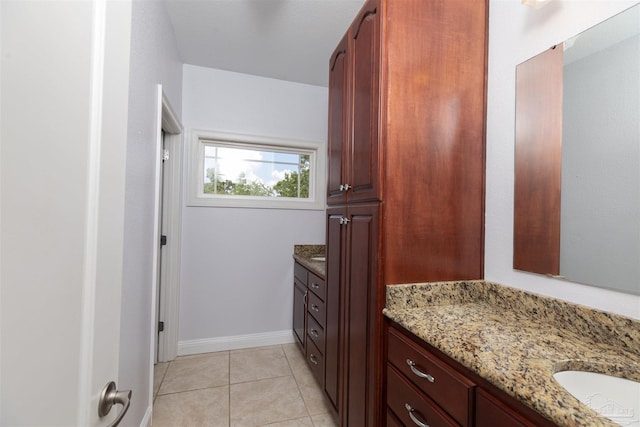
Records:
x=313, y=333
x=344, y=221
x=313, y=359
x=344, y=187
x=413, y=417
x=418, y=372
x=315, y=308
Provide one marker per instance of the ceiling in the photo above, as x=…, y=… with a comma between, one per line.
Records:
x=281, y=39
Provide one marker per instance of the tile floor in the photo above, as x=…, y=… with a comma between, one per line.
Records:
x=263, y=386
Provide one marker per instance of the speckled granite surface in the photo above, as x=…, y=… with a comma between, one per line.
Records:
x=517, y=340
x=304, y=253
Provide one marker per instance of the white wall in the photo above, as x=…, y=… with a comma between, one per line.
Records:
x=517, y=33
x=154, y=60
x=237, y=268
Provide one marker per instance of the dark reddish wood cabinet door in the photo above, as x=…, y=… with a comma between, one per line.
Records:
x=536, y=234
x=362, y=403
x=338, y=139
x=299, y=312
x=365, y=48
x=491, y=412
x=335, y=269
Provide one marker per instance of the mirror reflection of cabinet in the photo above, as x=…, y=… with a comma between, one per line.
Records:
x=538, y=164
x=577, y=178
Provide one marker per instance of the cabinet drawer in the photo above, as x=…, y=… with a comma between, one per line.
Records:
x=317, y=286
x=300, y=273
x=492, y=412
x=316, y=308
x=316, y=362
x=392, y=420
x=315, y=332
x=411, y=406
x=449, y=389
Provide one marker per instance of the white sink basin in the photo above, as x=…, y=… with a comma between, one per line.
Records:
x=615, y=398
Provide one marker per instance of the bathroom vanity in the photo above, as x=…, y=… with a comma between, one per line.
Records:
x=478, y=353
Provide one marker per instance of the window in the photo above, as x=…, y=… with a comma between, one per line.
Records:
x=252, y=171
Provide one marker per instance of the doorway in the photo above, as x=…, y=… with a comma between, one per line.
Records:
x=167, y=230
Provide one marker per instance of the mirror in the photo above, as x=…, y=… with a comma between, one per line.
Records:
x=577, y=158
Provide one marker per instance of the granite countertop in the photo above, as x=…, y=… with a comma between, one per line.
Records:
x=517, y=340
x=304, y=254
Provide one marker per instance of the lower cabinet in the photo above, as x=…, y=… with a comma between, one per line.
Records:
x=309, y=318
x=354, y=357
x=491, y=412
x=424, y=389
x=300, y=313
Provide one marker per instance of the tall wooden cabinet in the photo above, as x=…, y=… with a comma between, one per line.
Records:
x=406, y=176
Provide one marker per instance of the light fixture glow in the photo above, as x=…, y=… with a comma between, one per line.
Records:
x=536, y=4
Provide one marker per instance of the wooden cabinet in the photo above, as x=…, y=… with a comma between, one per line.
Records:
x=338, y=139
x=406, y=176
x=300, y=277
x=353, y=111
x=436, y=390
x=316, y=326
x=299, y=313
x=491, y=412
x=353, y=348
x=309, y=318
x=450, y=390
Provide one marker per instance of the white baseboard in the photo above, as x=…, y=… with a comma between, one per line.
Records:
x=209, y=345
x=146, y=421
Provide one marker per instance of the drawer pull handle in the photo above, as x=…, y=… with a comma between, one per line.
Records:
x=315, y=286
x=413, y=417
x=315, y=308
x=313, y=359
x=314, y=333
x=418, y=372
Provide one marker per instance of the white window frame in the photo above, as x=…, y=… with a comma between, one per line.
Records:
x=315, y=149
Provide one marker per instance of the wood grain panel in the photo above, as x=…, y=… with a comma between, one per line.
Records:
x=434, y=125
x=491, y=412
x=363, y=306
x=538, y=152
x=365, y=45
x=335, y=269
x=338, y=138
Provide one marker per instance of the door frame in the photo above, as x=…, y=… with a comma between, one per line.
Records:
x=171, y=216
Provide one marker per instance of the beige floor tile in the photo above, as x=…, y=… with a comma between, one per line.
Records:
x=266, y=347
x=258, y=364
x=201, y=355
x=258, y=403
x=196, y=373
x=314, y=398
x=159, y=370
x=323, y=420
x=295, y=357
x=300, y=422
x=199, y=408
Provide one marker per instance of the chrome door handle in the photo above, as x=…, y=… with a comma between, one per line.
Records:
x=415, y=419
x=313, y=359
x=109, y=397
x=418, y=372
